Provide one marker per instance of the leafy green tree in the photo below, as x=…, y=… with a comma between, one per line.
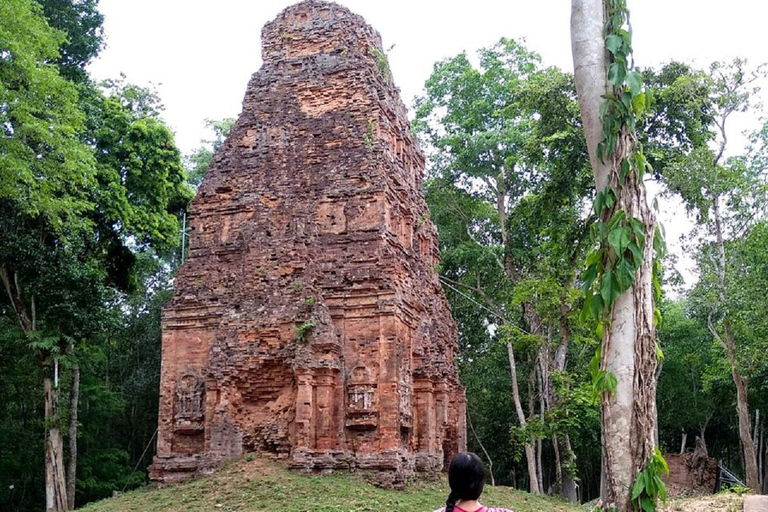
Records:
x=82, y=23
x=85, y=182
x=726, y=195
x=681, y=115
x=198, y=161
x=121, y=382
x=21, y=424
x=688, y=357
x=503, y=142
x=44, y=169
x=39, y=119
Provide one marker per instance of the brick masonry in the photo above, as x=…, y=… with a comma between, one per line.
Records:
x=309, y=322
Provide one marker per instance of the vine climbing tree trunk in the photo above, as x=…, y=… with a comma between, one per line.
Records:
x=628, y=408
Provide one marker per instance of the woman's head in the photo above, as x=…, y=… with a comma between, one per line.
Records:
x=466, y=477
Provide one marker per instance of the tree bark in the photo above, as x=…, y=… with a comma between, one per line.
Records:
x=682, y=445
x=530, y=456
x=540, y=442
x=539, y=472
x=742, y=410
x=765, y=471
x=568, y=457
x=558, y=464
x=72, y=466
x=628, y=416
x=760, y=458
x=55, y=481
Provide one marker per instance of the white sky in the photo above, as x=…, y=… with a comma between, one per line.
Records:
x=200, y=54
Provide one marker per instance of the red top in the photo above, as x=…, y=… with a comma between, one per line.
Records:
x=481, y=509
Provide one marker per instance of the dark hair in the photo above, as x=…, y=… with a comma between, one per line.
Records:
x=466, y=477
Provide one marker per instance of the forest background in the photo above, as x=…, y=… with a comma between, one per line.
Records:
x=88, y=254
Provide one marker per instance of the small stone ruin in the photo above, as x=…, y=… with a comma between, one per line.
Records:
x=309, y=322
x=691, y=473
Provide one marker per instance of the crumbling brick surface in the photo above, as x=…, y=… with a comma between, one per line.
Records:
x=309, y=322
x=690, y=474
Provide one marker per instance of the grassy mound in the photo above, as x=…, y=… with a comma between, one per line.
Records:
x=266, y=486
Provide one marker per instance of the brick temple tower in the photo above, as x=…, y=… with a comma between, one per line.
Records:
x=309, y=321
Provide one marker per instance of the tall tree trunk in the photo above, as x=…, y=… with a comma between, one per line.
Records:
x=530, y=456
x=55, y=481
x=760, y=458
x=628, y=415
x=682, y=444
x=539, y=472
x=628, y=418
x=540, y=441
x=482, y=447
x=72, y=466
x=55, y=477
x=760, y=445
x=567, y=455
x=568, y=458
x=728, y=343
x=745, y=434
x=558, y=464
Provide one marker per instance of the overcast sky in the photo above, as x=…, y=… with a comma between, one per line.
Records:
x=201, y=53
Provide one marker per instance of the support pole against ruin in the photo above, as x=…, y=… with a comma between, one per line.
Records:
x=183, y=234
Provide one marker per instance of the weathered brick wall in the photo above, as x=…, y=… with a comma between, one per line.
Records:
x=689, y=474
x=309, y=322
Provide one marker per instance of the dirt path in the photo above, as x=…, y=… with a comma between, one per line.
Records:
x=709, y=503
x=756, y=504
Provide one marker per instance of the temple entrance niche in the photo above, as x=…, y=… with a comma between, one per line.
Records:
x=189, y=414
x=362, y=407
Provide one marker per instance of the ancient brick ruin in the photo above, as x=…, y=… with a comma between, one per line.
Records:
x=309, y=322
x=690, y=474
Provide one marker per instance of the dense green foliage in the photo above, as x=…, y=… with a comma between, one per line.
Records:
x=503, y=140
x=91, y=186
x=82, y=23
x=39, y=120
x=198, y=161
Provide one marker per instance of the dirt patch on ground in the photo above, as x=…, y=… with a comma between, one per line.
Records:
x=712, y=503
x=252, y=467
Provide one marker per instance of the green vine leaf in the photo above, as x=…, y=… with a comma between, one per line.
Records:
x=637, y=253
x=610, y=289
x=614, y=43
x=619, y=237
x=635, y=83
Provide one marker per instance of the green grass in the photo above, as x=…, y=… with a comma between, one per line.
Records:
x=266, y=486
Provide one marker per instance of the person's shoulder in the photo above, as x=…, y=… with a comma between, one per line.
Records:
x=492, y=509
